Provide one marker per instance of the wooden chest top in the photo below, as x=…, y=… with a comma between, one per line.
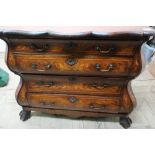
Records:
x=78, y=32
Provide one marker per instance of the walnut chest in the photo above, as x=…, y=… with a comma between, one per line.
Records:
x=76, y=71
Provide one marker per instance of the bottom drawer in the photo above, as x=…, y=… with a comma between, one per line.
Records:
x=75, y=102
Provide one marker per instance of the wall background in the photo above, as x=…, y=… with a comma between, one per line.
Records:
x=2, y=46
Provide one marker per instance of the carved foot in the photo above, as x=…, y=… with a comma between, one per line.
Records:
x=24, y=115
x=125, y=122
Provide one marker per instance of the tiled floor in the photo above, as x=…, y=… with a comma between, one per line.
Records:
x=143, y=115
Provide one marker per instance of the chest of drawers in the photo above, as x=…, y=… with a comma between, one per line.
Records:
x=77, y=74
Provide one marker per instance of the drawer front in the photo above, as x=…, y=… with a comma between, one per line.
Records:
x=65, y=65
x=75, y=47
x=74, y=85
x=76, y=102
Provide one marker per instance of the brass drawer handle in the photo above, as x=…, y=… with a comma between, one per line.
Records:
x=47, y=104
x=73, y=99
x=47, y=67
x=47, y=84
x=39, y=48
x=109, y=68
x=98, y=48
x=91, y=106
x=99, y=86
x=72, y=78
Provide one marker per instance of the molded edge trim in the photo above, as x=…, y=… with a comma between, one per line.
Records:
x=127, y=35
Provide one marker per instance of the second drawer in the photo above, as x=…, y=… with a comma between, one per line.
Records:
x=45, y=64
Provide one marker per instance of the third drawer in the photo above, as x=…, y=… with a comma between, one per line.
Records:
x=74, y=84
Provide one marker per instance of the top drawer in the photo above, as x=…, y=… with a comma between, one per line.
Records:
x=75, y=47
